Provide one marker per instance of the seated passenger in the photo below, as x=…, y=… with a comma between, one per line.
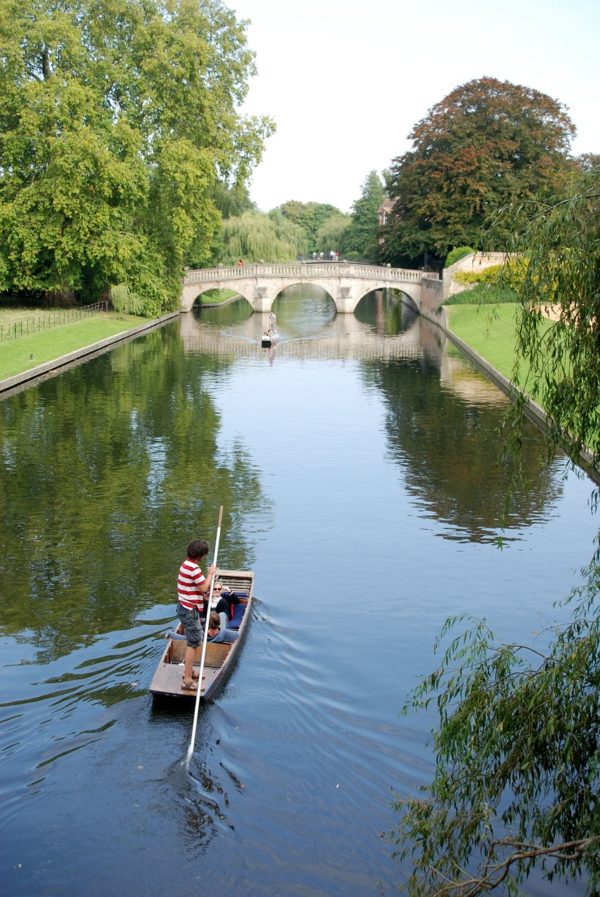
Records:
x=225, y=603
x=218, y=635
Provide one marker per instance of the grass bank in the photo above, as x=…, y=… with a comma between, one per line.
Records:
x=491, y=331
x=26, y=352
x=217, y=297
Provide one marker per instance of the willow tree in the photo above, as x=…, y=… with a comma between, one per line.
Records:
x=332, y=233
x=117, y=119
x=260, y=237
x=517, y=746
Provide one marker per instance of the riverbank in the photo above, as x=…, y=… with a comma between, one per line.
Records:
x=37, y=354
x=486, y=335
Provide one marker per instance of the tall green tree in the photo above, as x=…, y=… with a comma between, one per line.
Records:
x=362, y=237
x=488, y=143
x=310, y=216
x=331, y=234
x=117, y=120
x=517, y=745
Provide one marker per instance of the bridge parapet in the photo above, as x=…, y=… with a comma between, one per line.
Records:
x=346, y=283
x=307, y=270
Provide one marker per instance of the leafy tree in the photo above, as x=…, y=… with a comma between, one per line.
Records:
x=117, y=120
x=258, y=237
x=232, y=200
x=362, y=237
x=332, y=233
x=587, y=161
x=517, y=772
x=310, y=216
x=487, y=144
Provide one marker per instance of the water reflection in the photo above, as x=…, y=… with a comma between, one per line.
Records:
x=361, y=444
x=99, y=465
x=455, y=470
x=308, y=328
x=446, y=441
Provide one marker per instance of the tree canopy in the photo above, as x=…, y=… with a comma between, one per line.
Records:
x=362, y=237
x=257, y=237
x=310, y=216
x=332, y=233
x=517, y=772
x=488, y=143
x=118, y=118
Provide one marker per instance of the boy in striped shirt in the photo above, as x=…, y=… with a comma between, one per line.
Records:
x=192, y=586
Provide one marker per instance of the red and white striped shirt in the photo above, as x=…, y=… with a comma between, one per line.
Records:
x=188, y=586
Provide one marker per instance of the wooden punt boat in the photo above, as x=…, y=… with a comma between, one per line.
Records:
x=268, y=340
x=219, y=660
x=270, y=336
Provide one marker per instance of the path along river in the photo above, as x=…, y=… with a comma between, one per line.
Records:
x=357, y=465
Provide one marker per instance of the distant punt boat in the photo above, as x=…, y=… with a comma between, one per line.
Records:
x=268, y=340
x=219, y=660
x=270, y=335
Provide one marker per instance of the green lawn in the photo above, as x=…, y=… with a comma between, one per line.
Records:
x=490, y=331
x=25, y=352
x=214, y=297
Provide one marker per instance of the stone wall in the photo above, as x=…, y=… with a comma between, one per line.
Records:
x=432, y=294
x=476, y=261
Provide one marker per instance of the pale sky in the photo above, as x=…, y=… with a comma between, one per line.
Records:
x=345, y=81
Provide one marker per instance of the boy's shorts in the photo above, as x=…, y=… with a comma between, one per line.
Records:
x=191, y=625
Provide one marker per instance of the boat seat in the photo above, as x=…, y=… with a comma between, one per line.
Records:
x=238, y=616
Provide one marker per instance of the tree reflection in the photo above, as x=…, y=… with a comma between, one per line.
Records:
x=107, y=472
x=454, y=470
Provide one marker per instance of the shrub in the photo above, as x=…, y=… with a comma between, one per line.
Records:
x=483, y=294
x=511, y=274
x=122, y=299
x=456, y=254
x=489, y=275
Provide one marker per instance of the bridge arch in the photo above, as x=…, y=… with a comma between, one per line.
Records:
x=345, y=283
x=300, y=283
x=193, y=295
x=406, y=294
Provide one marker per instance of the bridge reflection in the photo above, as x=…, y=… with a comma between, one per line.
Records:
x=346, y=337
x=342, y=337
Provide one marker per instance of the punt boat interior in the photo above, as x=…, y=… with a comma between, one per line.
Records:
x=219, y=659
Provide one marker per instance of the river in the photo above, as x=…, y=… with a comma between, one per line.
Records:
x=357, y=465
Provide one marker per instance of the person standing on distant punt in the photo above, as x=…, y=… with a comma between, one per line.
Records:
x=218, y=635
x=192, y=586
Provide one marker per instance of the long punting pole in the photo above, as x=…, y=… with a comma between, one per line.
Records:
x=204, y=641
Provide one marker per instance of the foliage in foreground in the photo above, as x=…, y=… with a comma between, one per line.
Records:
x=563, y=270
x=517, y=745
x=518, y=762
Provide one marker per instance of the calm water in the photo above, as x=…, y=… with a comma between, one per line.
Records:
x=356, y=464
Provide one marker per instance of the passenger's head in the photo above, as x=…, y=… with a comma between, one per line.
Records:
x=214, y=620
x=197, y=549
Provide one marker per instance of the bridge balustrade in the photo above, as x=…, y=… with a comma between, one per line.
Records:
x=334, y=269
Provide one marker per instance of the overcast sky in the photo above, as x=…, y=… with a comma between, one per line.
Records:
x=345, y=81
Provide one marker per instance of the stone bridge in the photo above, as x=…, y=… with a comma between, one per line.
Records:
x=346, y=283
